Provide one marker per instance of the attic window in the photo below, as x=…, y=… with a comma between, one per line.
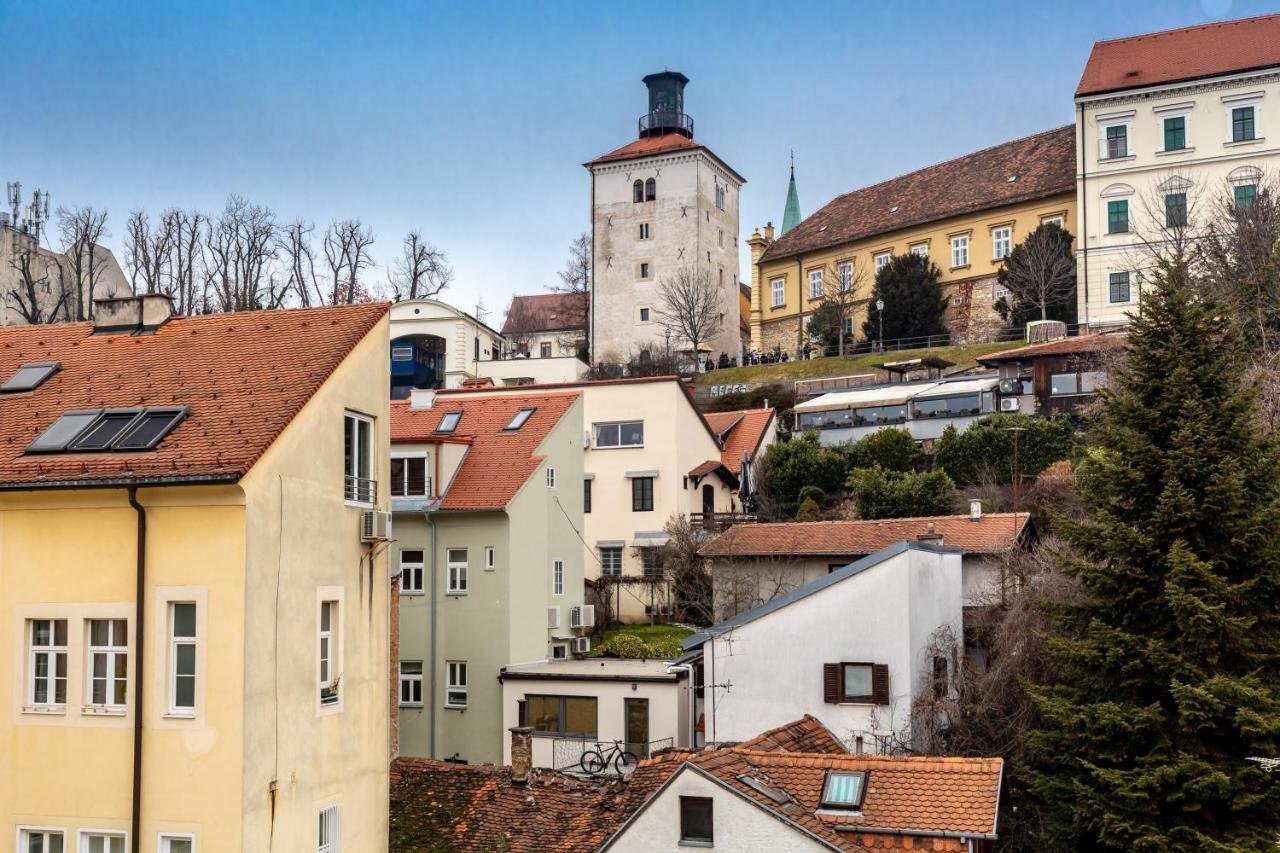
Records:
x=30, y=376
x=449, y=421
x=102, y=431
x=105, y=430
x=56, y=438
x=149, y=428
x=844, y=790
x=518, y=420
x=1012, y=178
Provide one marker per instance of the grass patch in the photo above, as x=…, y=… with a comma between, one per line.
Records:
x=964, y=357
x=641, y=641
x=650, y=632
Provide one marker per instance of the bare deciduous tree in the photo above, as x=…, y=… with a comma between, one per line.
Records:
x=1040, y=272
x=300, y=262
x=147, y=251
x=241, y=249
x=689, y=308
x=842, y=293
x=81, y=230
x=42, y=292
x=421, y=272
x=346, y=251
x=575, y=280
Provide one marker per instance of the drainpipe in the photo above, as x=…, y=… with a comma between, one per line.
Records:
x=138, y=668
x=431, y=742
x=1083, y=201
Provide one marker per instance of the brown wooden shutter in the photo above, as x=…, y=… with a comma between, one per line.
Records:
x=831, y=678
x=880, y=683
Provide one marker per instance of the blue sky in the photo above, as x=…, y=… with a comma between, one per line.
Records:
x=470, y=121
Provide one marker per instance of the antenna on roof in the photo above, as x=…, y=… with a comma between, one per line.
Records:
x=481, y=311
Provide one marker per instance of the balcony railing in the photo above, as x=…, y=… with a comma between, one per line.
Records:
x=664, y=120
x=361, y=490
x=720, y=521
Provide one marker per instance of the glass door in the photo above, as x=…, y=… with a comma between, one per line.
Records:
x=637, y=726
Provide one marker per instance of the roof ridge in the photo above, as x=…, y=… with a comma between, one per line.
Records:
x=835, y=521
x=853, y=756
x=1192, y=28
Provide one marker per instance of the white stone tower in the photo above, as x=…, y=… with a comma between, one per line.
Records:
x=660, y=203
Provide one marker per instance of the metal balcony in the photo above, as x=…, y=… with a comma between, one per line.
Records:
x=664, y=121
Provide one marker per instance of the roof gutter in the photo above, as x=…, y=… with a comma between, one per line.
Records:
x=922, y=833
x=120, y=482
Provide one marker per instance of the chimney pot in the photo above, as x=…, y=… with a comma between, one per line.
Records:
x=768, y=231
x=975, y=510
x=521, y=754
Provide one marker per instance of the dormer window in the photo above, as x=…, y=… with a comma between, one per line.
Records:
x=518, y=420
x=449, y=422
x=844, y=790
x=29, y=376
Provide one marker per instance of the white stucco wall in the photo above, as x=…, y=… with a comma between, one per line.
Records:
x=460, y=332
x=533, y=371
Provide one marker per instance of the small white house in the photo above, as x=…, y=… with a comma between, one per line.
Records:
x=853, y=648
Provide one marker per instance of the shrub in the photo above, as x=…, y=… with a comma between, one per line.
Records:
x=789, y=466
x=896, y=494
x=985, y=449
x=814, y=494
x=809, y=510
x=890, y=449
x=624, y=645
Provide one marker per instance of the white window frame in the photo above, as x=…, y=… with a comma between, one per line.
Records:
x=779, y=290
x=1235, y=102
x=163, y=839
x=960, y=250
x=559, y=651
x=996, y=240
x=815, y=284
x=551, y=478
x=84, y=836
x=175, y=644
x=557, y=577
x=329, y=651
x=54, y=651
x=413, y=682
x=26, y=831
x=1103, y=151
x=412, y=566
x=426, y=479
x=329, y=830
x=455, y=684
x=112, y=653
x=881, y=261
x=457, y=572
x=595, y=435
x=608, y=570
x=1057, y=219
x=359, y=469
x=490, y=559
x=920, y=249
x=845, y=271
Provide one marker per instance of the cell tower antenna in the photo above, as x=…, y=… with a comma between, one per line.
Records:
x=14, y=189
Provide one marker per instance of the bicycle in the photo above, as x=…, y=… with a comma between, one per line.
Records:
x=595, y=761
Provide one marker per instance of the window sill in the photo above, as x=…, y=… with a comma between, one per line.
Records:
x=961, y=267
x=1106, y=161
x=684, y=843
x=1173, y=152
x=618, y=447
x=456, y=594
x=860, y=703
x=412, y=705
x=455, y=707
x=179, y=715
x=103, y=711
x=358, y=504
x=1244, y=142
x=45, y=710
x=412, y=594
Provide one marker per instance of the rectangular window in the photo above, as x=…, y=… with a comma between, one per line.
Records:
x=357, y=459
x=102, y=842
x=490, y=561
x=1244, y=195
x=815, y=284
x=573, y=716
x=412, y=563
x=551, y=478
x=1117, y=143
x=1061, y=384
x=557, y=577
x=882, y=261
x=411, y=683
x=644, y=270
x=696, y=820
x=329, y=645
x=108, y=663
x=610, y=561
x=624, y=434
x=1001, y=242
x=845, y=271
x=455, y=694
x=586, y=496
x=409, y=476
x=177, y=843
x=1118, y=217
x=1175, y=133
x=47, y=664
x=1119, y=286
x=1053, y=220
x=544, y=350
x=857, y=682
x=448, y=422
x=921, y=249
x=41, y=841
x=843, y=790
x=644, y=315
x=651, y=561
x=642, y=494
x=329, y=832
x=644, y=230
x=778, y=288
x=1175, y=210
x=456, y=558
x=1242, y=129
x=182, y=657
x=960, y=250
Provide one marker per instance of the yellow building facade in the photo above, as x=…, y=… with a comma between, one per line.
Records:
x=965, y=215
x=224, y=567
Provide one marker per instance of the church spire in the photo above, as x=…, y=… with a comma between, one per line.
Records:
x=791, y=215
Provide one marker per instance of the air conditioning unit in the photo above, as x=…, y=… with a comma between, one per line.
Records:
x=1010, y=386
x=553, y=617
x=582, y=616
x=1009, y=404
x=375, y=526
x=581, y=645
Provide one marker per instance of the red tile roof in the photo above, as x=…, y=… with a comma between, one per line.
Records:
x=243, y=376
x=806, y=734
x=647, y=146
x=498, y=462
x=545, y=312
x=1190, y=53
x=740, y=432
x=1045, y=165
x=1079, y=345
x=994, y=533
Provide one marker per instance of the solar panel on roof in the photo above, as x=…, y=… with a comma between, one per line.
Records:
x=30, y=376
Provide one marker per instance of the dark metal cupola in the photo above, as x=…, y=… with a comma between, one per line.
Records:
x=666, y=106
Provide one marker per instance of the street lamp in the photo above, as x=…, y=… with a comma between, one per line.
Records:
x=880, y=317
x=1017, y=478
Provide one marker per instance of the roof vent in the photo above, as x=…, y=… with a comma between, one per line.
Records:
x=893, y=209
x=30, y=376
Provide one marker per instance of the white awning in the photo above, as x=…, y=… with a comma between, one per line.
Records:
x=960, y=388
x=882, y=395
x=650, y=539
x=631, y=475
x=610, y=543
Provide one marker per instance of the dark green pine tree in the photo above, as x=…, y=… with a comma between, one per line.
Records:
x=913, y=300
x=1167, y=668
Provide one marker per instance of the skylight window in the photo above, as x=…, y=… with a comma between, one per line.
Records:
x=56, y=438
x=518, y=420
x=99, y=431
x=843, y=790
x=105, y=430
x=149, y=428
x=449, y=421
x=30, y=376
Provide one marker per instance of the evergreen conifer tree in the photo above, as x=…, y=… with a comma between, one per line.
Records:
x=913, y=300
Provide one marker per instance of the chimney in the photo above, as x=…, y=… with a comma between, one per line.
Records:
x=768, y=232
x=131, y=315
x=422, y=398
x=521, y=754
x=975, y=510
x=930, y=537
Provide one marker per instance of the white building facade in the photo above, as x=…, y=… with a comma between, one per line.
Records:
x=658, y=205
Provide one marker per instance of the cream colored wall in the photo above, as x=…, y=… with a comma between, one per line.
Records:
x=71, y=555
x=1208, y=163
x=459, y=331
x=302, y=542
x=412, y=532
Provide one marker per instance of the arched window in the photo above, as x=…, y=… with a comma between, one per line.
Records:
x=637, y=191
x=650, y=189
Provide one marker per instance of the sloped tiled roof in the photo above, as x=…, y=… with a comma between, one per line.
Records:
x=994, y=533
x=647, y=146
x=1190, y=53
x=741, y=432
x=806, y=734
x=1045, y=165
x=497, y=462
x=243, y=377
x=1079, y=345
x=545, y=312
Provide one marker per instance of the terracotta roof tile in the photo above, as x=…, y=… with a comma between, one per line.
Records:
x=646, y=146
x=1079, y=345
x=1045, y=165
x=243, y=377
x=546, y=312
x=806, y=734
x=1188, y=53
x=498, y=462
x=994, y=533
x=740, y=432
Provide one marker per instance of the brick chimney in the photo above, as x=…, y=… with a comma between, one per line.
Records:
x=930, y=536
x=521, y=754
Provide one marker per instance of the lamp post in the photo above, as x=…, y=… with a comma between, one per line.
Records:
x=1017, y=478
x=880, y=317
